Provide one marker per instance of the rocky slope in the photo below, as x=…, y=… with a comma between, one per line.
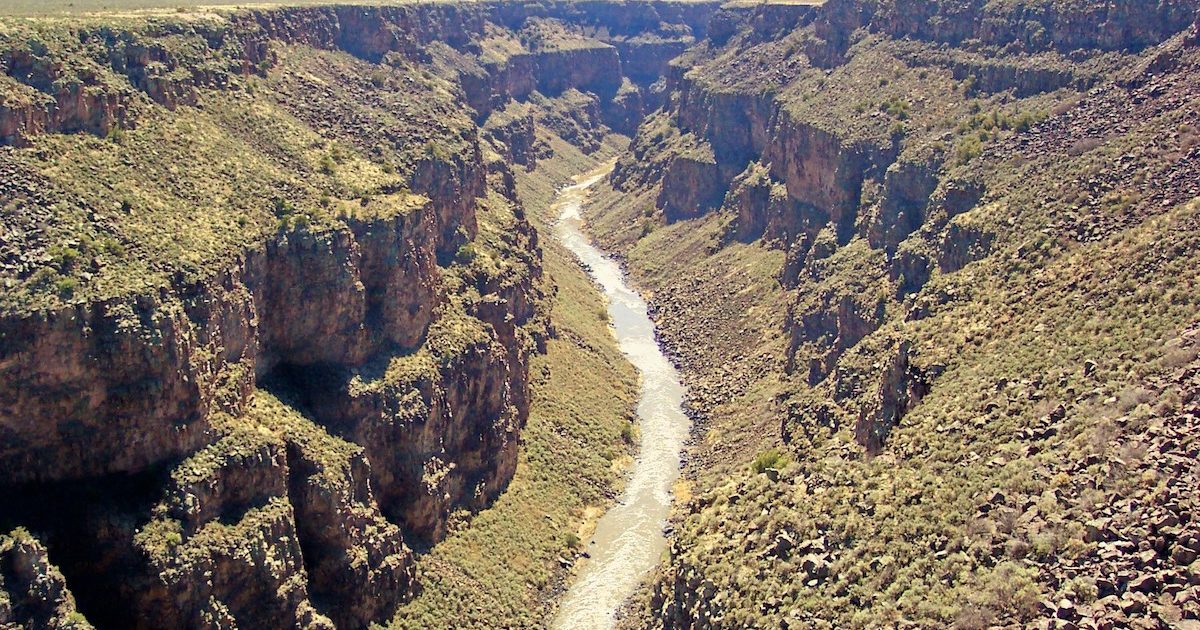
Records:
x=271, y=301
x=253, y=349
x=881, y=238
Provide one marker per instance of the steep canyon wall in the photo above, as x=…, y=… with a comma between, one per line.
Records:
x=251, y=419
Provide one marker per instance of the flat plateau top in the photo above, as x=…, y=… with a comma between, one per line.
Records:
x=52, y=7
x=66, y=7
x=743, y=4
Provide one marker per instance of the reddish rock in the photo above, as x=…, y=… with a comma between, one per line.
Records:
x=1145, y=583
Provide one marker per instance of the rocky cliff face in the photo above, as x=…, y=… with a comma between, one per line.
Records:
x=158, y=372
x=748, y=122
x=849, y=218
x=108, y=369
x=255, y=427
x=34, y=591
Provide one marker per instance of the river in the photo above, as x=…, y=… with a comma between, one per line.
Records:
x=628, y=542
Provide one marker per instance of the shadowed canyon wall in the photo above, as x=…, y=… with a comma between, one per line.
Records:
x=255, y=401
x=259, y=438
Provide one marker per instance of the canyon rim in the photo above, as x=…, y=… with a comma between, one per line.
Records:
x=288, y=337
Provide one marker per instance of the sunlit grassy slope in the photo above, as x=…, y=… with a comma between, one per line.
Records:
x=575, y=448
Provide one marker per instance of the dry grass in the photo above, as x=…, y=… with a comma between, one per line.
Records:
x=501, y=570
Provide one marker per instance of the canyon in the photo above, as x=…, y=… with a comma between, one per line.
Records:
x=257, y=423
x=629, y=539
x=286, y=340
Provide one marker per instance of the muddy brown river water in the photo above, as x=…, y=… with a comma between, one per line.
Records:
x=628, y=542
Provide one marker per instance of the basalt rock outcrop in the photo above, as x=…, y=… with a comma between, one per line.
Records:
x=942, y=193
x=901, y=385
x=33, y=592
x=750, y=120
x=255, y=424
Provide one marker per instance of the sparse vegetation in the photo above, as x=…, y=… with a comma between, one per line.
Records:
x=508, y=556
x=975, y=508
x=466, y=254
x=933, y=334
x=172, y=185
x=896, y=108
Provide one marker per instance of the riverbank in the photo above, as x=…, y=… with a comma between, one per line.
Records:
x=629, y=539
x=513, y=558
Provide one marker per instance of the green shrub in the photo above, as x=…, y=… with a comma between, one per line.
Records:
x=991, y=121
x=112, y=247
x=968, y=149
x=328, y=165
x=65, y=286
x=896, y=108
x=282, y=207
x=64, y=257
x=1082, y=589
x=466, y=253
x=439, y=151
x=768, y=459
x=1025, y=120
